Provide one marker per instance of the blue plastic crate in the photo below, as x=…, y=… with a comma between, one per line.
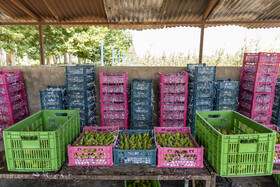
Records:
x=227, y=85
x=80, y=78
x=138, y=124
x=80, y=70
x=226, y=107
x=226, y=101
x=141, y=102
x=50, y=99
x=122, y=156
x=202, y=74
x=200, y=101
x=140, y=116
x=141, y=109
x=202, y=86
x=142, y=84
x=275, y=118
x=80, y=86
x=141, y=93
x=89, y=94
x=201, y=93
x=80, y=103
x=52, y=107
x=191, y=67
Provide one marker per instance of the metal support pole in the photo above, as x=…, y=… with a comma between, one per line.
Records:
x=102, y=57
x=113, y=56
x=42, y=60
x=201, y=44
x=119, y=57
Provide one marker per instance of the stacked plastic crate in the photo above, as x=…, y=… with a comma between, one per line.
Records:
x=257, y=85
x=80, y=88
x=173, y=99
x=53, y=98
x=13, y=103
x=275, y=118
x=114, y=99
x=141, y=104
x=226, y=95
x=201, y=90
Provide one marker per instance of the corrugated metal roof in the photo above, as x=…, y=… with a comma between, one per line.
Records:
x=147, y=14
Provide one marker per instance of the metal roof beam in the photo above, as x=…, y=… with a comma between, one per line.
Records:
x=209, y=9
x=26, y=10
x=48, y=5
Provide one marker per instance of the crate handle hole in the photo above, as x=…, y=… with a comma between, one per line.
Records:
x=29, y=137
x=61, y=114
x=214, y=116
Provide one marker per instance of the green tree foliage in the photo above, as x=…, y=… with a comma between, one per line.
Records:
x=83, y=42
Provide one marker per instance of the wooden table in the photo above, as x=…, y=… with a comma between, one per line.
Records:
x=122, y=172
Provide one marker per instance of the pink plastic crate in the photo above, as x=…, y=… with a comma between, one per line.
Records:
x=112, y=88
x=257, y=87
x=174, y=78
x=10, y=88
x=2, y=127
x=110, y=78
x=261, y=62
x=248, y=96
x=92, y=155
x=174, y=116
x=181, y=157
x=10, y=98
x=113, y=107
x=260, y=117
x=174, y=88
x=14, y=117
x=173, y=107
x=122, y=124
x=114, y=115
x=7, y=77
x=10, y=107
x=175, y=123
x=256, y=107
x=259, y=77
x=114, y=98
x=174, y=98
x=277, y=146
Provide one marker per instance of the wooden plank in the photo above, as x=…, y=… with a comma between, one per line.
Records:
x=209, y=9
x=42, y=59
x=25, y=9
x=52, y=11
x=201, y=44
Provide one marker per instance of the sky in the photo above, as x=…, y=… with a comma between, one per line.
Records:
x=186, y=39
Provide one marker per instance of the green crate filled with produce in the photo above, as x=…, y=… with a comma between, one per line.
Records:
x=235, y=145
x=141, y=183
x=39, y=142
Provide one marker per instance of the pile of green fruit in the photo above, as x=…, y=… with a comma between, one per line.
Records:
x=136, y=141
x=140, y=183
x=225, y=132
x=174, y=140
x=97, y=139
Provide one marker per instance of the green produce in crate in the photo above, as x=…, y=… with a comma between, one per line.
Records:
x=174, y=140
x=140, y=183
x=136, y=142
x=97, y=139
x=225, y=132
x=277, y=140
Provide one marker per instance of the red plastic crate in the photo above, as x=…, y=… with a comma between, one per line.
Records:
x=10, y=98
x=7, y=77
x=261, y=62
x=257, y=87
x=259, y=77
x=277, y=146
x=92, y=155
x=174, y=78
x=181, y=157
x=110, y=78
x=261, y=117
x=248, y=96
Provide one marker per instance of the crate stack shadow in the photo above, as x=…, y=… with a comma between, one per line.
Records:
x=141, y=104
x=13, y=103
x=201, y=90
x=80, y=87
x=257, y=85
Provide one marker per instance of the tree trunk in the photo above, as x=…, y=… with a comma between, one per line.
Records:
x=70, y=59
x=85, y=60
x=79, y=60
x=48, y=58
x=8, y=59
x=65, y=58
x=54, y=60
x=12, y=57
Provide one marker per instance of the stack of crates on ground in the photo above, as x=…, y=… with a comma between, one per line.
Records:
x=257, y=85
x=141, y=104
x=53, y=98
x=201, y=90
x=173, y=94
x=80, y=88
x=114, y=99
x=275, y=118
x=13, y=103
x=226, y=95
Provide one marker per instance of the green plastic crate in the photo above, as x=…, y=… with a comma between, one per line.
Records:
x=241, y=154
x=39, y=142
x=155, y=183
x=277, y=179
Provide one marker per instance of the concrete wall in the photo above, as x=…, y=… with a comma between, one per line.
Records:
x=38, y=77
